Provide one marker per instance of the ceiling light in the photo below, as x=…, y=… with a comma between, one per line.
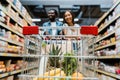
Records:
x=36, y=20
x=76, y=19
x=60, y=19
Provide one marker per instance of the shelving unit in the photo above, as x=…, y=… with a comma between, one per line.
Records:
x=13, y=16
x=15, y=72
x=12, y=30
x=108, y=23
x=113, y=32
x=107, y=13
x=109, y=57
x=106, y=45
x=30, y=23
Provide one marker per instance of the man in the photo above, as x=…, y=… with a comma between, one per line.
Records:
x=53, y=22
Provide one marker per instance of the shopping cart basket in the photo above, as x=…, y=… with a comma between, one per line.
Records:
x=59, y=57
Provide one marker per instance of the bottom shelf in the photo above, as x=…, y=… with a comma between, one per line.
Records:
x=104, y=72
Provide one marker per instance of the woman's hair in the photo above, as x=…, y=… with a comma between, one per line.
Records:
x=73, y=16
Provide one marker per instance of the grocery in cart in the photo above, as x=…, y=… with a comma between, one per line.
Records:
x=58, y=57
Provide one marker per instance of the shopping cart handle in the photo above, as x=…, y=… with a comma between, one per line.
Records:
x=89, y=30
x=29, y=30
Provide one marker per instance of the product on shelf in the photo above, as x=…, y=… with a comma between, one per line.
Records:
x=110, y=29
x=7, y=20
x=3, y=46
x=23, y=10
x=117, y=32
x=115, y=69
x=11, y=38
x=117, y=10
x=9, y=78
x=117, y=24
x=2, y=15
x=24, y=22
x=105, y=52
x=20, y=20
x=18, y=4
x=22, y=64
x=112, y=40
x=13, y=49
x=13, y=14
x=11, y=25
x=2, y=67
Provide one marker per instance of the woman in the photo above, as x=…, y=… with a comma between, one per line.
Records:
x=73, y=28
x=69, y=22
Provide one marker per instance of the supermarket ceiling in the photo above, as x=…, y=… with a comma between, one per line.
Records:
x=87, y=11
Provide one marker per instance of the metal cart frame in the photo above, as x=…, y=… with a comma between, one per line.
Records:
x=41, y=60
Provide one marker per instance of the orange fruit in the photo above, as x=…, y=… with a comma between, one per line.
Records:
x=77, y=76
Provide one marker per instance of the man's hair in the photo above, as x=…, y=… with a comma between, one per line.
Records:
x=54, y=11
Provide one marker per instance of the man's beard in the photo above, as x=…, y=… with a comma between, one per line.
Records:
x=52, y=19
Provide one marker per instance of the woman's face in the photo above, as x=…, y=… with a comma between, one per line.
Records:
x=68, y=17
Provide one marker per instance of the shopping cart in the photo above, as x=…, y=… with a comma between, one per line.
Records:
x=61, y=57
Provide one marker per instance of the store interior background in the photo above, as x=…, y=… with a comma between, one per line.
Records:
x=86, y=11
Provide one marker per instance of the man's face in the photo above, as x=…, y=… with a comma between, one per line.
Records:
x=51, y=15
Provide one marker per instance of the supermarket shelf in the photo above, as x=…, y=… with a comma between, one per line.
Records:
x=15, y=72
x=108, y=45
x=18, y=71
x=104, y=72
x=10, y=55
x=16, y=55
x=10, y=16
x=4, y=75
x=7, y=27
x=18, y=11
x=106, y=36
x=10, y=41
x=106, y=14
x=109, y=57
x=109, y=22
